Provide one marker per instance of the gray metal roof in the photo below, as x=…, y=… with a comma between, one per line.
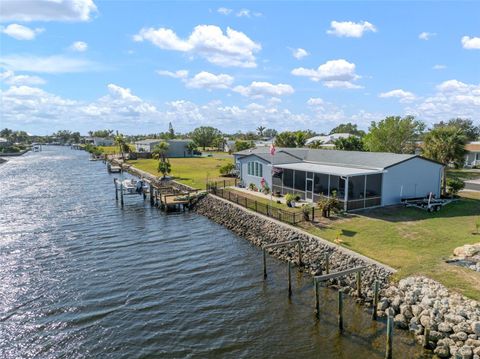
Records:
x=356, y=159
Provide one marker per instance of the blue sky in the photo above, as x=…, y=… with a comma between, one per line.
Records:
x=135, y=66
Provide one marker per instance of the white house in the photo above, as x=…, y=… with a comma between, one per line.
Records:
x=328, y=141
x=99, y=141
x=176, y=148
x=359, y=179
x=472, y=157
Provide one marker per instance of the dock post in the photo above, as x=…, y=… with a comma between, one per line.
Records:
x=388, y=351
x=426, y=337
x=264, y=264
x=359, y=284
x=289, y=280
x=317, y=299
x=121, y=194
x=116, y=189
x=340, y=311
x=151, y=195
x=327, y=264
x=375, y=300
x=299, y=247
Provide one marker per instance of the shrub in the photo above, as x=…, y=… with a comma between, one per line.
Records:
x=252, y=187
x=306, y=210
x=454, y=185
x=227, y=169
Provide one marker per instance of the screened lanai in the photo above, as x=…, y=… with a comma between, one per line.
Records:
x=355, y=188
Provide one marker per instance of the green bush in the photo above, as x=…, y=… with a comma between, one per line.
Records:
x=454, y=185
x=227, y=169
x=289, y=198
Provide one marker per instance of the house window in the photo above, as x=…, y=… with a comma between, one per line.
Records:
x=255, y=169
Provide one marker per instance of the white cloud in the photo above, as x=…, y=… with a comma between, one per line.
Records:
x=224, y=10
x=439, y=67
x=10, y=78
x=47, y=10
x=49, y=64
x=247, y=13
x=333, y=73
x=299, y=53
x=426, y=35
x=452, y=98
x=79, y=46
x=350, y=29
x=208, y=80
x=403, y=96
x=20, y=32
x=259, y=89
x=233, y=48
x=471, y=43
x=180, y=74
x=315, y=101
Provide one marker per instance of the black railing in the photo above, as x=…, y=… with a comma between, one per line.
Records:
x=220, y=189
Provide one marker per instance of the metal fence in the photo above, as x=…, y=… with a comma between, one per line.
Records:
x=220, y=189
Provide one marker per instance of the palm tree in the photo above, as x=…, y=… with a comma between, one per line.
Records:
x=164, y=167
x=121, y=143
x=446, y=145
x=260, y=130
x=160, y=150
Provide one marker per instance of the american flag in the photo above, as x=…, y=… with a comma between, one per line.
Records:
x=272, y=149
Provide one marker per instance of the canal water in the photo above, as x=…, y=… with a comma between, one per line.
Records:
x=82, y=278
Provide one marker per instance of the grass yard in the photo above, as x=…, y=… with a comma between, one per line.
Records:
x=411, y=240
x=464, y=174
x=112, y=150
x=265, y=201
x=190, y=171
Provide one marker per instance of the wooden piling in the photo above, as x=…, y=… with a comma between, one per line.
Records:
x=317, y=299
x=116, y=189
x=388, y=350
x=289, y=279
x=359, y=284
x=327, y=264
x=426, y=337
x=264, y=264
x=121, y=194
x=299, y=248
x=151, y=195
x=340, y=311
x=375, y=300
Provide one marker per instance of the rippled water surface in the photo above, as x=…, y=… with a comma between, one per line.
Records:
x=82, y=278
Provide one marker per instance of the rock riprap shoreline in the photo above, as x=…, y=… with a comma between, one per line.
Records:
x=415, y=303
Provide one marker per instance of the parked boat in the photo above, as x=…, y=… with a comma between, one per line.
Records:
x=113, y=169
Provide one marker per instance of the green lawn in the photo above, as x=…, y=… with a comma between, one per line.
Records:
x=190, y=171
x=272, y=203
x=411, y=240
x=112, y=150
x=464, y=174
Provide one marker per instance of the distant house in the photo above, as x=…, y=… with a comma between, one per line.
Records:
x=359, y=179
x=472, y=157
x=328, y=141
x=4, y=142
x=264, y=142
x=99, y=141
x=176, y=148
x=229, y=146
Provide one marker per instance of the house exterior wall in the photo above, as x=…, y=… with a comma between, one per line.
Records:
x=101, y=141
x=413, y=178
x=472, y=158
x=242, y=165
x=145, y=146
x=178, y=149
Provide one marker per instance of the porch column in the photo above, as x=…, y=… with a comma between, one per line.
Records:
x=328, y=191
x=345, y=197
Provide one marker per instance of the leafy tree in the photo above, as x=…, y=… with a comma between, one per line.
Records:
x=300, y=138
x=351, y=143
x=101, y=133
x=315, y=144
x=243, y=145
x=164, y=167
x=454, y=185
x=270, y=132
x=205, y=136
x=470, y=131
x=286, y=139
x=6, y=133
x=260, y=130
x=227, y=169
x=446, y=145
x=394, y=134
x=348, y=128
x=120, y=141
x=159, y=151
x=192, y=147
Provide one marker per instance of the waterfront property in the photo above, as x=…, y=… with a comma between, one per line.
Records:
x=472, y=157
x=176, y=148
x=99, y=141
x=358, y=179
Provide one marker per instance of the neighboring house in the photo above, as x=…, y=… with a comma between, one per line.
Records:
x=4, y=142
x=328, y=141
x=99, y=141
x=472, y=157
x=264, y=142
x=229, y=146
x=359, y=179
x=176, y=148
